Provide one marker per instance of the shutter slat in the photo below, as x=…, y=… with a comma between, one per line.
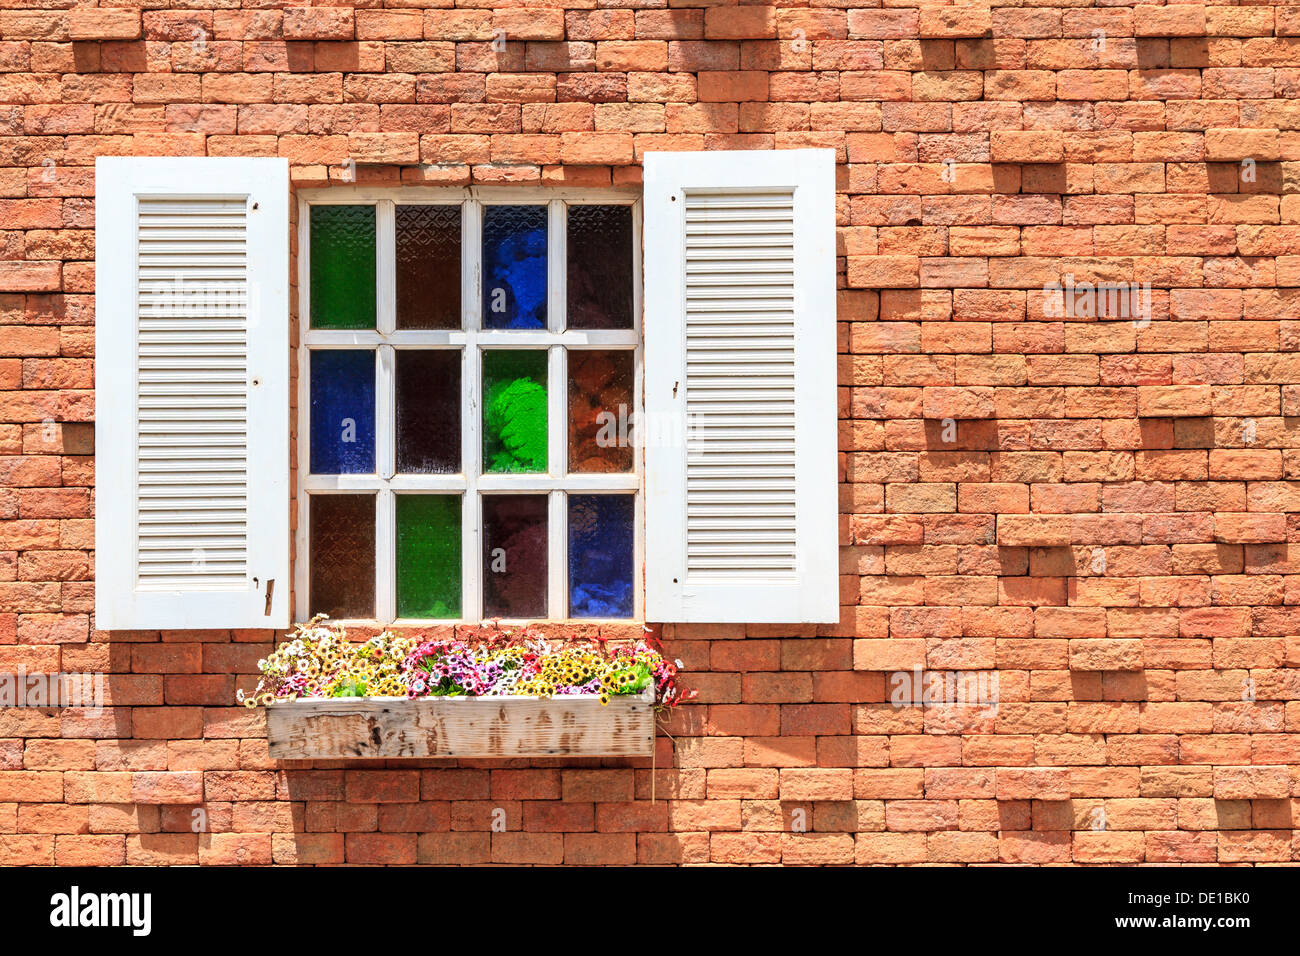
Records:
x=730, y=248
x=193, y=261
x=193, y=305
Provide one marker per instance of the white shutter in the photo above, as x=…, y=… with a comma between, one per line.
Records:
x=191, y=393
x=740, y=428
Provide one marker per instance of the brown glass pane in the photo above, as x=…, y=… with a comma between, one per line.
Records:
x=600, y=410
x=428, y=267
x=514, y=555
x=342, y=531
x=600, y=267
x=428, y=411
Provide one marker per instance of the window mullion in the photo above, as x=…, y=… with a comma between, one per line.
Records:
x=386, y=556
x=556, y=273
x=637, y=413
x=471, y=507
x=302, y=559
x=471, y=414
x=636, y=273
x=557, y=411
x=638, y=556
x=386, y=415
x=557, y=465
x=471, y=255
x=386, y=272
x=638, y=410
x=557, y=558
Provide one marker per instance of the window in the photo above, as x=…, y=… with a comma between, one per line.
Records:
x=469, y=377
x=457, y=428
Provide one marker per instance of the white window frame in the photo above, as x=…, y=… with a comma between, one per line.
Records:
x=470, y=339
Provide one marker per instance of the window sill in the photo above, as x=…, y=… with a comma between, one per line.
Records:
x=578, y=725
x=609, y=628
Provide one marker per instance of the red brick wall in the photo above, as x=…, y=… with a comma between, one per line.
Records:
x=1110, y=530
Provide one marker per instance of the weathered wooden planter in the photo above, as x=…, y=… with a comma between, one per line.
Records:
x=572, y=726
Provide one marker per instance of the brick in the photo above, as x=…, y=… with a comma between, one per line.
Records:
x=1252, y=783
x=531, y=24
x=948, y=22
x=739, y=23
x=732, y=86
x=318, y=23
x=1108, y=654
x=1249, y=528
x=1174, y=401
x=380, y=848
x=537, y=848
x=1172, y=20
x=600, y=149
x=1026, y=146
x=965, y=402
x=30, y=276
x=1034, y=530
x=103, y=23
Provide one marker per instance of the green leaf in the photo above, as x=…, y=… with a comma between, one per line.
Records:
x=516, y=419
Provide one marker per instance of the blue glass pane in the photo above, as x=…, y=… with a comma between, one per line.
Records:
x=514, y=267
x=600, y=555
x=342, y=411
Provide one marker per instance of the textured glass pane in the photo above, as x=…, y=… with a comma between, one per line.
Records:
x=600, y=410
x=342, y=536
x=514, y=267
x=342, y=411
x=600, y=555
x=514, y=410
x=342, y=267
x=428, y=267
x=428, y=411
x=428, y=556
x=600, y=267
x=514, y=555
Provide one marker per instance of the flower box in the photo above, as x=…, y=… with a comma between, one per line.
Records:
x=573, y=725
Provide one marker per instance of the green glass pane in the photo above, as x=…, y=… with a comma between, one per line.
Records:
x=428, y=556
x=514, y=410
x=342, y=267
